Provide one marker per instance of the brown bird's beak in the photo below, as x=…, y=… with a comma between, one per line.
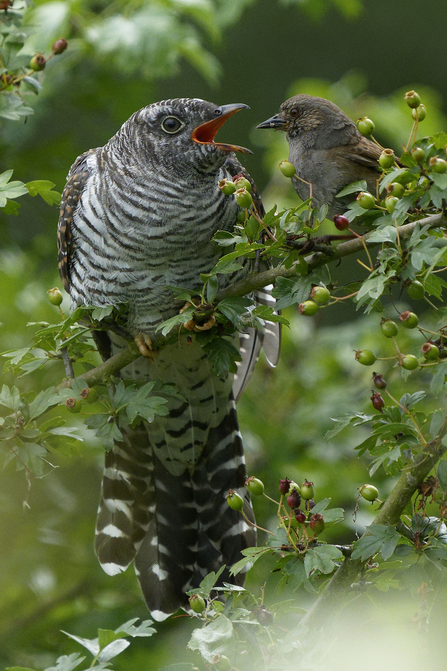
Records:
x=275, y=122
x=206, y=132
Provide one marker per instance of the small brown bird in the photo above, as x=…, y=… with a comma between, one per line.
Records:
x=326, y=149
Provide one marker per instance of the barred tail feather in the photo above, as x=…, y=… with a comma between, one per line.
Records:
x=178, y=528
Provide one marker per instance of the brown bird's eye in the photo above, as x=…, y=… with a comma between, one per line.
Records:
x=171, y=124
x=294, y=112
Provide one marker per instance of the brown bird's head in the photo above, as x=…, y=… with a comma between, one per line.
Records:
x=317, y=119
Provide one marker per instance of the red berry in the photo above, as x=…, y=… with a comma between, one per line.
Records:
x=300, y=516
x=378, y=380
x=294, y=499
x=377, y=401
x=59, y=46
x=316, y=523
x=284, y=486
x=341, y=222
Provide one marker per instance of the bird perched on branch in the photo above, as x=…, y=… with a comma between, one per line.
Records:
x=138, y=215
x=326, y=149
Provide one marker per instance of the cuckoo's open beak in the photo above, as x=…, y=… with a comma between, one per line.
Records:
x=206, y=132
x=274, y=122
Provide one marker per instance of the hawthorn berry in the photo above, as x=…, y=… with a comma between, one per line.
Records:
x=366, y=200
x=341, y=222
x=73, y=405
x=379, y=380
x=365, y=357
x=294, y=499
x=389, y=328
x=395, y=189
x=300, y=516
x=365, y=125
x=390, y=203
x=89, y=395
x=226, y=186
x=386, y=158
x=369, y=492
x=316, y=523
x=243, y=197
x=307, y=490
x=197, y=603
x=55, y=296
x=59, y=46
x=409, y=362
x=38, y=62
x=412, y=99
x=234, y=500
x=320, y=295
x=438, y=165
x=284, y=486
x=416, y=290
x=255, y=486
x=308, y=308
x=377, y=401
x=430, y=351
x=419, y=113
x=418, y=154
x=409, y=319
x=287, y=169
x=242, y=182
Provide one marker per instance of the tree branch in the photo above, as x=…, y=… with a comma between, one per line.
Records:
x=338, y=591
x=317, y=259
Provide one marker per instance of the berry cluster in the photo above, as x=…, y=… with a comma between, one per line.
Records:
x=38, y=62
x=240, y=187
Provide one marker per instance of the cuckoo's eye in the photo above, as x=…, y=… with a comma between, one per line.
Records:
x=293, y=112
x=217, y=112
x=171, y=124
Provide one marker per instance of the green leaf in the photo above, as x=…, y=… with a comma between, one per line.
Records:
x=210, y=580
x=44, y=189
x=211, y=635
x=251, y=555
x=353, y=188
x=223, y=355
x=408, y=400
x=44, y=400
x=169, y=324
x=437, y=421
x=91, y=644
x=441, y=472
x=10, y=189
x=321, y=558
x=379, y=538
x=10, y=398
x=106, y=636
x=113, y=650
x=143, y=629
x=101, y=312
x=67, y=662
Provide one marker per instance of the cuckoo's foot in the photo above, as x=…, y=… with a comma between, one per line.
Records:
x=144, y=344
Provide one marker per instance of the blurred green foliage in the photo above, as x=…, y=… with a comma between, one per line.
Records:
x=121, y=56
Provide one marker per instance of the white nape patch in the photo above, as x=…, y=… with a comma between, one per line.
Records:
x=115, y=504
x=159, y=616
x=112, y=569
x=113, y=531
x=159, y=572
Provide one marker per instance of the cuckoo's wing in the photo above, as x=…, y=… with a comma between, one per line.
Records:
x=76, y=181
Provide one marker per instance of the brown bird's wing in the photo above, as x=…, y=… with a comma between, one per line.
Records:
x=77, y=178
x=364, y=152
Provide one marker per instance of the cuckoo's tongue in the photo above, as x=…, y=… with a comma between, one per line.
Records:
x=206, y=132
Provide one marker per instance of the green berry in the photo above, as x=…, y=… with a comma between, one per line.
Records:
x=243, y=197
x=395, y=189
x=369, y=492
x=418, y=154
x=90, y=395
x=287, y=168
x=390, y=203
x=73, y=405
x=412, y=99
x=320, y=295
x=221, y=662
x=226, y=186
x=409, y=362
x=38, y=62
x=416, y=290
x=365, y=357
x=197, y=603
x=430, y=351
x=234, y=500
x=389, y=328
x=438, y=164
x=307, y=490
x=59, y=46
x=308, y=308
x=55, y=296
x=366, y=200
x=240, y=217
x=365, y=126
x=255, y=486
x=419, y=113
x=386, y=158
x=409, y=319
x=241, y=182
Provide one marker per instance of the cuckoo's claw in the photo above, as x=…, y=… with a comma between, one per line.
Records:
x=144, y=344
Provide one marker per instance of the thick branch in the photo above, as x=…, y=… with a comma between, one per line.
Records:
x=338, y=591
x=107, y=368
x=258, y=280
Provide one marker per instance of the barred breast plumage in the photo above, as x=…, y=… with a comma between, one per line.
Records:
x=137, y=215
